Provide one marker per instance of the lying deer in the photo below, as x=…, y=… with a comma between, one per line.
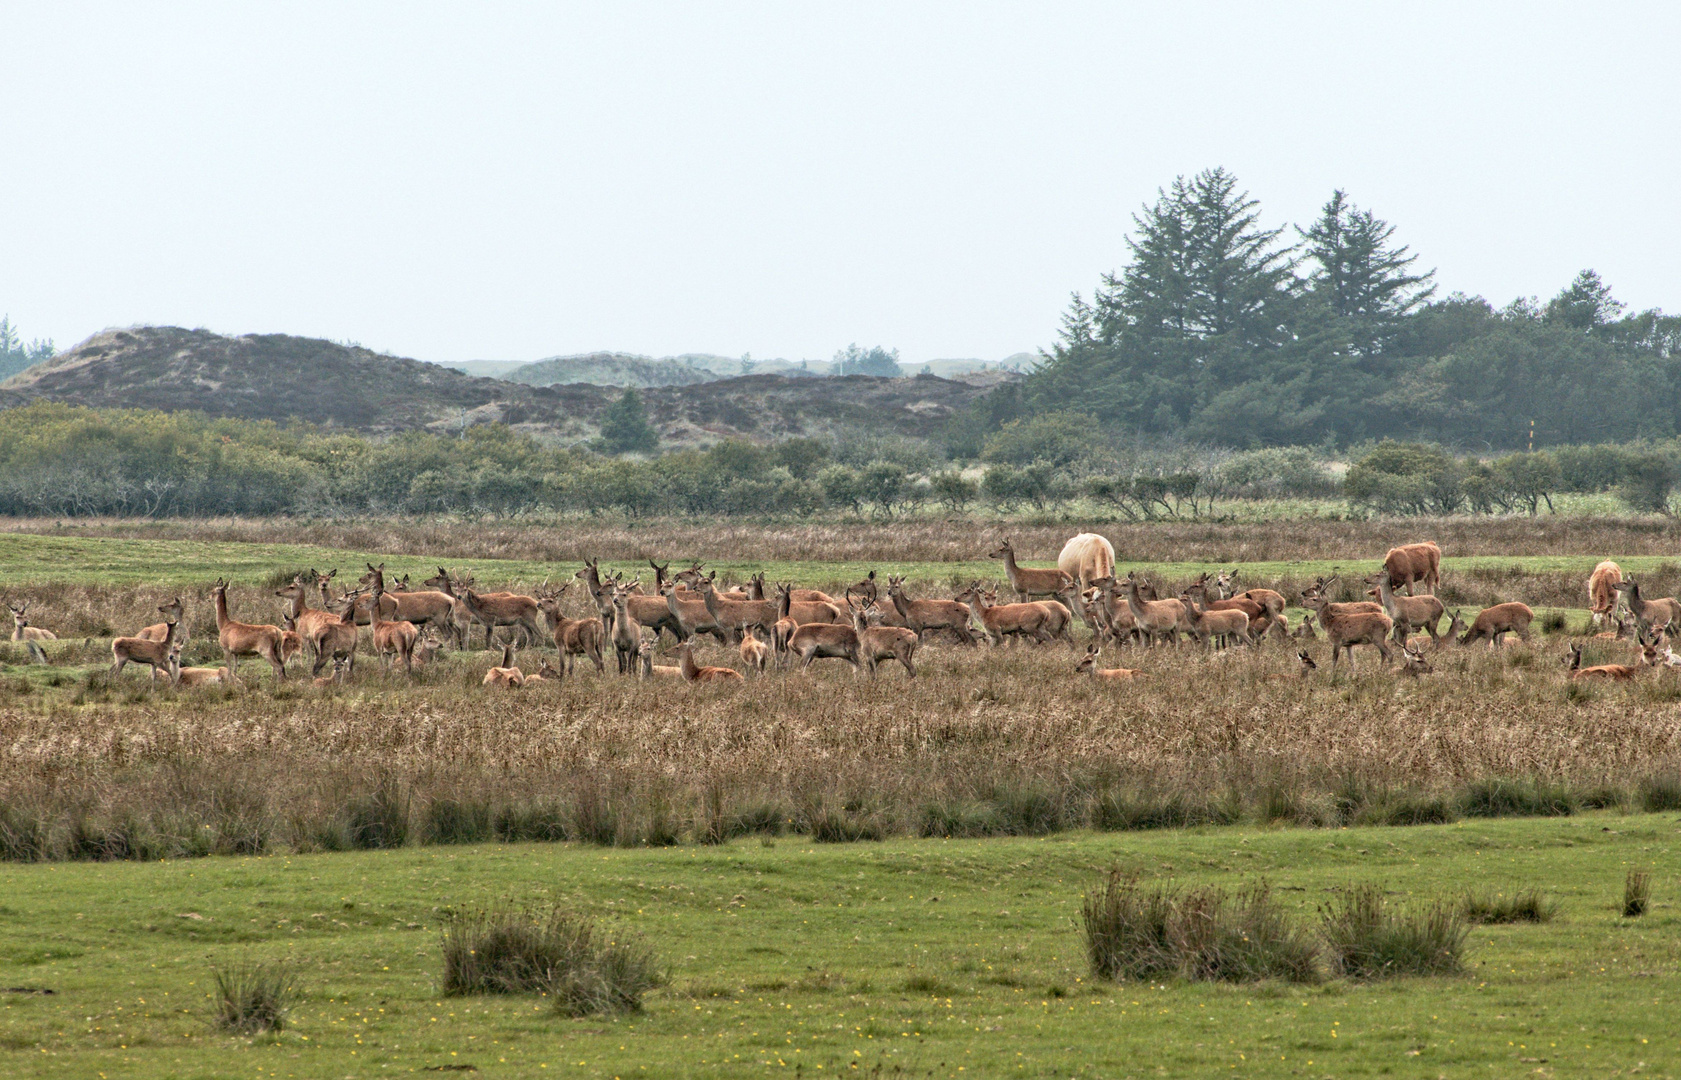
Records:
x=1088, y=666
x=1307, y=667
x=694, y=673
x=507, y=675
x=652, y=670
x=31, y=636
x=1614, y=672
x=191, y=676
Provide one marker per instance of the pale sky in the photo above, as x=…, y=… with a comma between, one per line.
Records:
x=514, y=181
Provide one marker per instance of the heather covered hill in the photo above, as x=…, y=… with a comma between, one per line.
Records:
x=609, y=369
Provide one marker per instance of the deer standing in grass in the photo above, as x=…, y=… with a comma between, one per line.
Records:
x=688, y=617
x=879, y=643
x=506, y=675
x=1659, y=614
x=393, y=637
x=1088, y=666
x=1225, y=586
x=693, y=672
x=1345, y=629
x=735, y=616
x=1005, y=620
x=245, y=639
x=573, y=637
x=1026, y=582
x=1154, y=618
x=139, y=650
x=495, y=610
x=754, y=653
x=1221, y=627
x=1602, y=591
x=1495, y=622
x=815, y=641
x=31, y=636
x=1408, y=613
x=929, y=614
x=627, y=632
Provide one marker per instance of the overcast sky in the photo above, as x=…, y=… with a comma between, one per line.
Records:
x=515, y=181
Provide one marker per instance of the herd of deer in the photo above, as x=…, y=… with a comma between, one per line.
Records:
x=865, y=627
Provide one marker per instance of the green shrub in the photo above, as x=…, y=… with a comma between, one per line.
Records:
x=552, y=952
x=1515, y=798
x=1128, y=929
x=1660, y=792
x=1637, y=893
x=1519, y=905
x=1368, y=939
x=253, y=998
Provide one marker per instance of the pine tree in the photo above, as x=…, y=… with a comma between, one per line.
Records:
x=1586, y=304
x=625, y=427
x=1359, y=276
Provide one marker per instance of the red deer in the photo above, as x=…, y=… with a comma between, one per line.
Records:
x=31, y=636
x=1028, y=583
x=1307, y=667
x=1494, y=623
x=754, y=653
x=687, y=616
x=1414, y=662
x=756, y=591
x=340, y=664
x=1088, y=665
x=1625, y=630
x=290, y=640
x=574, y=637
x=307, y=621
x=1321, y=589
x=1602, y=590
x=652, y=670
x=818, y=641
x=245, y=639
x=1272, y=601
x=1117, y=615
x=459, y=625
x=494, y=610
x=694, y=673
x=506, y=674
x=1346, y=629
x=191, y=676
x=1305, y=632
x=652, y=612
x=392, y=637
x=1214, y=627
x=154, y=654
x=1407, y=612
x=735, y=616
x=1659, y=614
x=1155, y=618
x=1410, y=563
x=878, y=643
x=627, y=633
x=1613, y=672
x=1002, y=620
x=865, y=589
x=1087, y=557
x=790, y=606
x=545, y=673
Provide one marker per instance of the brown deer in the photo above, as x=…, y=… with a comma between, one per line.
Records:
x=1456, y=628
x=506, y=675
x=1602, y=590
x=1659, y=614
x=340, y=665
x=139, y=650
x=867, y=589
x=1220, y=628
x=1088, y=666
x=1255, y=609
x=754, y=653
x=627, y=632
x=816, y=641
x=1410, y=563
x=307, y=621
x=653, y=612
x=652, y=670
x=879, y=643
x=1407, y=612
x=1117, y=615
x=694, y=673
x=1305, y=669
x=1413, y=661
x=495, y=610
x=1494, y=623
x=574, y=637
x=1305, y=631
x=688, y=616
x=1625, y=631
x=756, y=591
x=546, y=672
x=1155, y=618
x=191, y=676
x=735, y=616
x=1321, y=588
x=1614, y=672
x=1346, y=629
x=1028, y=583
x=291, y=642
x=790, y=606
x=1225, y=585
x=245, y=639
x=31, y=636
x=393, y=636
x=1005, y=620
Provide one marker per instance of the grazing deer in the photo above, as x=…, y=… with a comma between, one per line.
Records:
x=139, y=650
x=1495, y=622
x=1155, y=618
x=1413, y=661
x=1420, y=563
x=1087, y=557
x=31, y=636
x=754, y=653
x=694, y=673
x=1005, y=620
x=574, y=637
x=1304, y=670
x=1219, y=628
x=1407, y=612
x=245, y=639
x=1660, y=614
x=392, y=636
x=1602, y=591
x=651, y=670
x=878, y=643
x=507, y=675
x=1346, y=629
x=1088, y=666
x=1028, y=583
x=627, y=633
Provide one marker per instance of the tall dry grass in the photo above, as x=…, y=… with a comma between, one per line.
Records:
x=983, y=742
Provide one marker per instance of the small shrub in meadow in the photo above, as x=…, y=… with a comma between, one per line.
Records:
x=253, y=998
x=1246, y=938
x=1518, y=905
x=1368, y=938
x=1128, y=929
x=1660, y=792
x=1637, y=893
x=564, y=956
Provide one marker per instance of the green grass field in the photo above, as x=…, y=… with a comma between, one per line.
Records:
x=924, y=958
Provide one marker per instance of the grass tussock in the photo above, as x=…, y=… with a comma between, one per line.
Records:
x=253, y=998
x=1367, y=937
x=1491, y=908
x=1637, y=894
x=554, y=953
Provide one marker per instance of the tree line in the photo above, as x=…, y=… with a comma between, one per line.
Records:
x=62, y=460
x=1222, y=331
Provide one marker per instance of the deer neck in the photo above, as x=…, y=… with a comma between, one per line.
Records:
x=221, y=608
x=784, y=604
x=17, y=628
x=710, y=597
x=687, y=656
x=900, y=604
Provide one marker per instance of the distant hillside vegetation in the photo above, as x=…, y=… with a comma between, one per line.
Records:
x=279, y=377
x=609, y=369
